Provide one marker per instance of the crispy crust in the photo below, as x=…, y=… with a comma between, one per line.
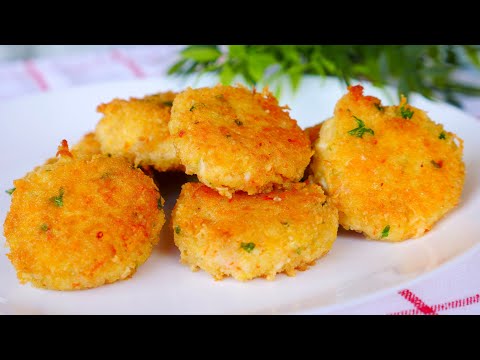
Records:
x=234, y=139
x=289, y=229
x=138, y=129
x=87, y=147
x=405, y=175
x=82, y=223
x=313, y=132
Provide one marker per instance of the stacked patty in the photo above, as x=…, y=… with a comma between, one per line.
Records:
x=235, y=139
x=250, y=217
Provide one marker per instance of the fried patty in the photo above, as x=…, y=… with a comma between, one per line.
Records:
x=81, y=223
x=391, y=171
x=234, y=139
x=138, y=130
x=253, y=236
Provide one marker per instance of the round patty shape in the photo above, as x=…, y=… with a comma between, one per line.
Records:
x=235, y=139
x=391, y=171
x=253, y=236
x=138, y=130
x=78, y=223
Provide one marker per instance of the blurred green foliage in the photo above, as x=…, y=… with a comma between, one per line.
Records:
x=426, y=69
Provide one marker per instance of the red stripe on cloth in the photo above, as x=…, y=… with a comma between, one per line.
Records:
x=36, y=75
x=474, y=299
x=458, y=303
x=128, y=62
x=407, y=312
x=417, y=302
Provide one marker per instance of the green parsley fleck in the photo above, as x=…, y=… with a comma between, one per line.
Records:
x=442, y=135
x=58, y=200
x=248, y=247
x=168, y=103
x=10, y=191
x=196, y=106
x=298, y=251
x=44, y=227
x=406, y=113
x=177, y=230
x=436, y=165
x=385, y=231
x=238, y=122
x=361, y=129
x=159, y=203
x=379, y=107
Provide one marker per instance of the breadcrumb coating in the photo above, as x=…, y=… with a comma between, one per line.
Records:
x=87, y=147
x=251, y=236
x=138, y=130
x=234, y=139
x=391, y=171
x=80, y=223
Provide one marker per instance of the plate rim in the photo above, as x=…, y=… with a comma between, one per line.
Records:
x=323, y=310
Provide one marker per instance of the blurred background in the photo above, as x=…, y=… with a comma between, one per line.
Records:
x=16, y=52
x=449, y=73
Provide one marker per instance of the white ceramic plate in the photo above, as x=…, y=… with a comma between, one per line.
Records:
x=33, y=126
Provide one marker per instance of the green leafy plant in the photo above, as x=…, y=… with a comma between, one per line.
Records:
x=426, y=69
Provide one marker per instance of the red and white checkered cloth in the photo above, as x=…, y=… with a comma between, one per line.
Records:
x=454, y=290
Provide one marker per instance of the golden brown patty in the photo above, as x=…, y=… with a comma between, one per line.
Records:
x=253, y=236
x=234, y=139
x=87, y=147
x=82, y=223
x=391, y=171
x=138, y=130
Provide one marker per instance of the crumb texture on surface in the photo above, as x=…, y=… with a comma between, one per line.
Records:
x=138, y=130
x=234, y=139
x=81, y=223
x=253, y=236
x=391, y=171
